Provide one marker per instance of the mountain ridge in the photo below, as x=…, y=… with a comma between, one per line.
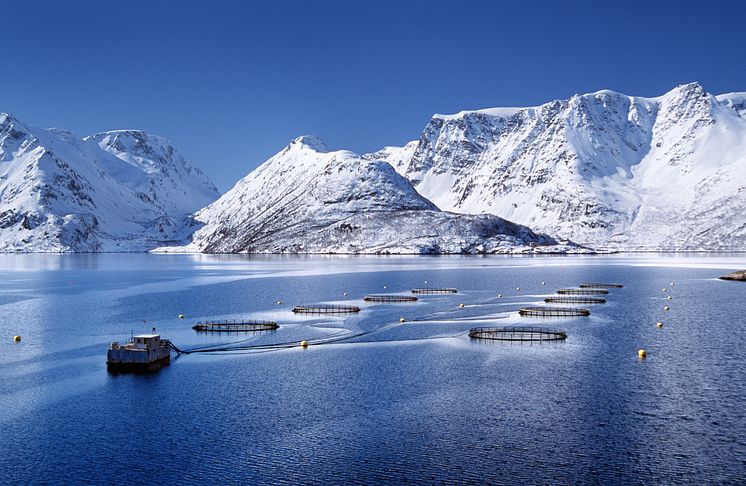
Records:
x=603, y=169
x=63, y=193
x=307, y=199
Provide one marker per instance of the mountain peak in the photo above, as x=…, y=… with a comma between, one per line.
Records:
x=688, y=90
x=132, y=138
x=6, y=119
x=311, y=141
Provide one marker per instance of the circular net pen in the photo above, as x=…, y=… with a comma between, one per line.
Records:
x=235, y=326
x=517, y=334
x=582, y=291
x=554, y=312
x=326, y=309
x=575, y=300
x=390, y=298
x=435, y=291
x=601, y=286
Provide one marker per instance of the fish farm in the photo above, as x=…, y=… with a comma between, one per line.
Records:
x=574, y=300
x=235, y=326
x=554, y=312
x=517, y=333
x=326, y=309
x=435, y=291
x=584, y=291
x=601, y=286
x=390, y=298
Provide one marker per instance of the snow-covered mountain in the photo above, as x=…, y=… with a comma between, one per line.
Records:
x=307, y=199
x=115, y=191
x=603, y=169
x=174, y=183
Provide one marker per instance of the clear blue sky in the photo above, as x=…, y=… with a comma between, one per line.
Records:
x=231, y=82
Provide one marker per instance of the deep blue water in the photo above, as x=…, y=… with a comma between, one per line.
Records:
x=418, y=401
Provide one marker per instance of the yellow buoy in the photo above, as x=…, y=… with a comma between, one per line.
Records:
x=402, y=320
x=659, y=324
x=181, y=316
x=665, y=308
x=669, y=297
x=642, y=353
x=304, y=344
x=17, y=338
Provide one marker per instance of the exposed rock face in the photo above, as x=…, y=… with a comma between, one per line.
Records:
x=61, y=193
x=739, y=275
x=603, y=169
x=307, y=199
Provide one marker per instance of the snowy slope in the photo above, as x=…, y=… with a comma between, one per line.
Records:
x=603, y=169
x=59, y=192
x=307, y=199
x=173, y=182
x=398, y=157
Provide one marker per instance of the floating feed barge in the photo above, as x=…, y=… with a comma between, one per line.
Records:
x=601, y=286
x=575, y=300
x=390, y=298
x=517, y=333
x=582, y=291
x=144, y=352
x=326, y=309
x=554, y=312
x=235, y=326
x=435, y=291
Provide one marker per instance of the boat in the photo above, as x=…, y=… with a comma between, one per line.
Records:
x=144, y=352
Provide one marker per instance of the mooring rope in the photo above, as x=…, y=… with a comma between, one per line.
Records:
x=235, y=348
x=231, y=348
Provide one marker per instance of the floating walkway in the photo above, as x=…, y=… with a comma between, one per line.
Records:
x=435, y=291
x=517, y=333
x=326, y=309
x=554, y=312
x=575, y=300
x=584, y=291
x=390, y=298
x=235, y=326
x=601, y=286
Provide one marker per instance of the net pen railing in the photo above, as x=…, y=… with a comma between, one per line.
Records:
x=554, y=312
x=518, y=333
x=235, y=325
x=326, y=309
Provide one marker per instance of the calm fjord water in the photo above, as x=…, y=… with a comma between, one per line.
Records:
x=399, y=402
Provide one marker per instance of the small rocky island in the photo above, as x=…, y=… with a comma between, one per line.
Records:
x=739, y=275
